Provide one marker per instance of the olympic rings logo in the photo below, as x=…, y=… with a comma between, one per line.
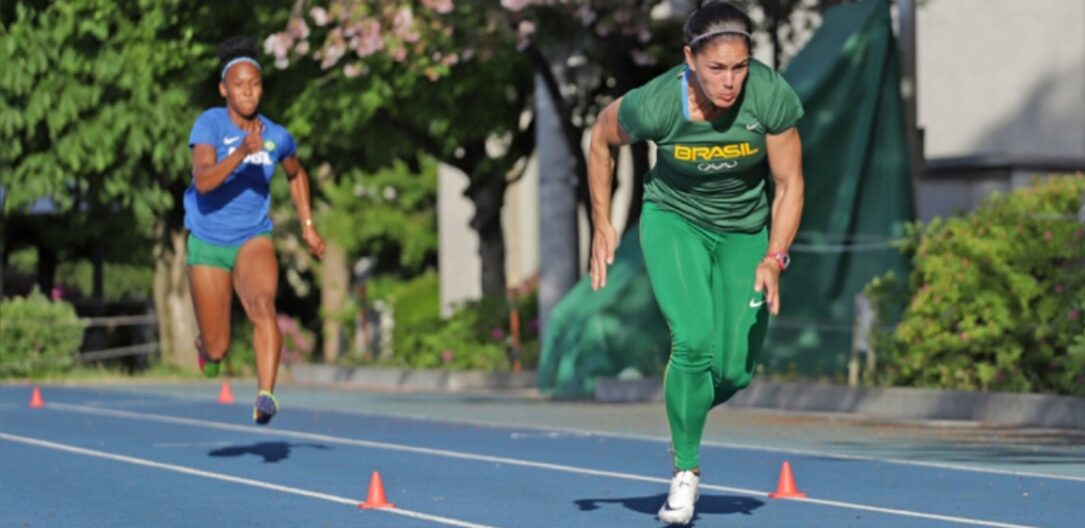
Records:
x=713, y=167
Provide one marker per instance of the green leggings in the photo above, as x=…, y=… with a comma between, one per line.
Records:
x=703, y=281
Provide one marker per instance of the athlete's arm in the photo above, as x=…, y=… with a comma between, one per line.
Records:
x=209, y=173
x=299, y=191
x=606, y=136
x=785, y=162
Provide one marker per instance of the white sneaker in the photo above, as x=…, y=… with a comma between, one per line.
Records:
x=683, y=495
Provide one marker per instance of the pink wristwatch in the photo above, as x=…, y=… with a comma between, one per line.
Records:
x=781, y=258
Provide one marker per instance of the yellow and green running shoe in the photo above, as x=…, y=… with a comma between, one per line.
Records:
x=265, y=408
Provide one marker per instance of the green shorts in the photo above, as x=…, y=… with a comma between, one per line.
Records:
x=203, y=253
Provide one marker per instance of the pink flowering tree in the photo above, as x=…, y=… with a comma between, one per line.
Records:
x=458, y=57
x=390, y=81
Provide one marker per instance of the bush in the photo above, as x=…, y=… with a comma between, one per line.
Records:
x=38, y=336
x=475, y=337
x=997, y=297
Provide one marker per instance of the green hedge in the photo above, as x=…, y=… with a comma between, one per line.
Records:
x=997, y=297
x=475, y=337
x=37, y=336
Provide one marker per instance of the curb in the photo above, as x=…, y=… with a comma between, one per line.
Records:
x=999, y=408
x=395, y=379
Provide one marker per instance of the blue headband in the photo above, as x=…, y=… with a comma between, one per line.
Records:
x=249, y=60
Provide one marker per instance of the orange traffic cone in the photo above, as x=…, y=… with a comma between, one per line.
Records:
x=226, y=396
x=786, y=488
x=376, y=494
x=36, y=402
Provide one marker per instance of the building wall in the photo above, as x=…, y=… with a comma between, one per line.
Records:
x=1001, y=77
x=459, y=267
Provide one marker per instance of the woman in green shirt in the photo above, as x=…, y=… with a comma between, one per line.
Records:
x=722, y=123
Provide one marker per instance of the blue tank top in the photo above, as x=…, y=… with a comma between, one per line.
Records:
x=236, y=210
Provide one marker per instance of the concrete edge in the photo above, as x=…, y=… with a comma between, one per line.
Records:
x=1009, y=409
x=396, y=379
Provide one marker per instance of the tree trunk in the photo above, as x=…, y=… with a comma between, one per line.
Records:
x=559, y=246
x=487, y=192
x=47, y=269
x=334, y=293
x=173, y=300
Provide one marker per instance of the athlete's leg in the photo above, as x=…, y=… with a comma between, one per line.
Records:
x=211, y=297
x=677, y=256
x=741, y=314
x=256, y=279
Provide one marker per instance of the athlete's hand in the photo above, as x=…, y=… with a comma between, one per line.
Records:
x=768, y=281
x=254, y=139
x=313, y=240
x=603, y=244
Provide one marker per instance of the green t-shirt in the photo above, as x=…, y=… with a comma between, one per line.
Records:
x=711, y=172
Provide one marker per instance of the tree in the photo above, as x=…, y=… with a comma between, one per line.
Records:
x=396, y=95
x=87, y=88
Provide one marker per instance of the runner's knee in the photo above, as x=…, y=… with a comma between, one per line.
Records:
x=691, y=347
x=262, y=306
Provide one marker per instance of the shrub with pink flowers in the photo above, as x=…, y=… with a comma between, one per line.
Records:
x=997, y=297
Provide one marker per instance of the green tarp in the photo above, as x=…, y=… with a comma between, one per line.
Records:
x=858, y=197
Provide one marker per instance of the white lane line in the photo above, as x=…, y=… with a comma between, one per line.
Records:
x=229, y=478
x=139, y=403
x=666, y=440
x=498, y=460
x=723, y=445
x=185, y=445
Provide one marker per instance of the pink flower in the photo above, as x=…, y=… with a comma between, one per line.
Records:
x=334, y=50
x=525, y=29
x=298, y=28
x=398, y=53
x=447, y=355
x=641, y=58
x=57, y=293
x=368, y=39
x=497, y=333
x=403, y=25
x=320, y=16
x=1074, y=314
x=515, y=5
x=440, y=6
x=278, y=45
x=586, y=15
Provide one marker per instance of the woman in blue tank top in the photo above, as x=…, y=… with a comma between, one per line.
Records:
x=234, y=154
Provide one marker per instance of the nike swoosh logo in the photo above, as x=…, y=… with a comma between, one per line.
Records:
x=753, y=126
x=755, y=304
x=230, y=140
